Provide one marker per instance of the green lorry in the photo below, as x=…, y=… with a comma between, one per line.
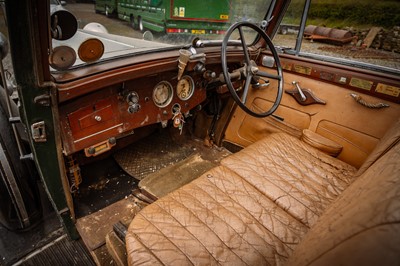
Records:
x=173, y=16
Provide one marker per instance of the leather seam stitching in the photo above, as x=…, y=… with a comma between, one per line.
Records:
x=145, y=246
x=285, y=191
x=263, y=208
x=314, y=183
x=162, y=233
x=205, y=223
x=235, y=216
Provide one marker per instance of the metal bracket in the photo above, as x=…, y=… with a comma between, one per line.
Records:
x=38, y=131
x=43, y=100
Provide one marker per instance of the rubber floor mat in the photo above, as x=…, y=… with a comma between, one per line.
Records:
x=151, y=154
x=61, y=251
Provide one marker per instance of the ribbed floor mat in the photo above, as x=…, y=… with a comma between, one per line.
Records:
x=61, y=251
x=151, y=154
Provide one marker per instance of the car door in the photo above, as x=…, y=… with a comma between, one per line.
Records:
x=336, y=90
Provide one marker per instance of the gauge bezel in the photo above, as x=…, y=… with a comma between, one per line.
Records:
x=191, y=88
x=170, y=94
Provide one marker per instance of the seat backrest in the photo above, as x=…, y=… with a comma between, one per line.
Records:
x=362, y=227
x=391, y=138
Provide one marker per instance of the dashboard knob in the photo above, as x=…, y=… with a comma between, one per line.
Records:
x=112, y=140
x=133, y=108
x=91, y=150
x=133, y=100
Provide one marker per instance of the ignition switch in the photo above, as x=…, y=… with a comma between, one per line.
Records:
x=133, y=100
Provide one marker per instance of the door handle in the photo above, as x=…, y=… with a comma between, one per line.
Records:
x=304, y=96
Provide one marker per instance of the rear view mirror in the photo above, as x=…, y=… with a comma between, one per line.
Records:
x=63, y=25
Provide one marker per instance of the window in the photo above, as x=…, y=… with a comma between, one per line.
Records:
x=126, y=27
x=365, y=33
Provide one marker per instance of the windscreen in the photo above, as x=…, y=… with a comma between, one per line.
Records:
x=127, y=27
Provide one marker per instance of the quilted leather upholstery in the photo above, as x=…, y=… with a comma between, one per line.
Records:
x=252, y=210
x=362, y=227
x=300, y=179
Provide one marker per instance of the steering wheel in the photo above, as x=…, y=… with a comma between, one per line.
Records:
x=250, y=70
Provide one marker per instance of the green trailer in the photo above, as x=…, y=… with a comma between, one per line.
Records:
x=176, y=16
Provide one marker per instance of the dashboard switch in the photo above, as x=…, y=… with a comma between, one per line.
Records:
x=133, y=100
x=133, y=108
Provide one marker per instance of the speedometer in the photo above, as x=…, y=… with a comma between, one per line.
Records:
x=185, y=88
x=162, y=94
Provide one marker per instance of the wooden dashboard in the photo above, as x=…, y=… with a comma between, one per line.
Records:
x=94, y=122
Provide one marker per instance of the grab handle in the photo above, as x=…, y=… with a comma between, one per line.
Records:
x=361, y=101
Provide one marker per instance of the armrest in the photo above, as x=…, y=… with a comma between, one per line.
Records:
x=321, y=143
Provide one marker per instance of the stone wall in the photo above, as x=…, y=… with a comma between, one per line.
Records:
x=388, y=40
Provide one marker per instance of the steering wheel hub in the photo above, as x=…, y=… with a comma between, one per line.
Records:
x=254, y=70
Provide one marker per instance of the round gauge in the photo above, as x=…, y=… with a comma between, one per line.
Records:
x=185, y=88
x=162, y=94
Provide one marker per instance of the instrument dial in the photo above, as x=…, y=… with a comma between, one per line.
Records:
x=162, y=94
x=185, y=88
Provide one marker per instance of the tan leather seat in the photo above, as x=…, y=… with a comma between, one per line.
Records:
x=362, y=227
x=278, y=201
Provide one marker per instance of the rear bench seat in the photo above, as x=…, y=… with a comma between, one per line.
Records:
x=278, y=201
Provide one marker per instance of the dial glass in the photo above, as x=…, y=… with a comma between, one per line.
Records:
x=185, y=88
x=162, y=94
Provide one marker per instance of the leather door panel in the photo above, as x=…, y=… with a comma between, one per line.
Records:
x=342, y=120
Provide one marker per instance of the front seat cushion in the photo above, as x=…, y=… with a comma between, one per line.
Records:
x=252, y=210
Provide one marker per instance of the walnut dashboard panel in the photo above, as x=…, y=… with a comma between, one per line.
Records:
x=88, y=119
x=115, y=111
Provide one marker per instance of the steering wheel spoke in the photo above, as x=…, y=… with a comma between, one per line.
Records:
x=267, y=75
x=246, y=89
x=251, y=69
x=244, y=46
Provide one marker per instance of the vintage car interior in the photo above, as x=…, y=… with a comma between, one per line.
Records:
x=237, y=151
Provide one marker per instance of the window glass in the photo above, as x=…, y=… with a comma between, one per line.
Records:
x=365, y=31
x=135, y=26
